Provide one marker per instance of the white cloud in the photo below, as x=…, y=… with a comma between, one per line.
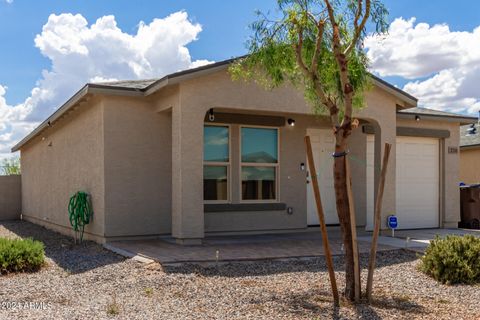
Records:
x=9, y=1
x=448, y=63
x=80, y=53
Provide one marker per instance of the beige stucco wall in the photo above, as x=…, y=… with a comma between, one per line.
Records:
x=10, y=197
x=73, y=162
x=449, y=169
x=138, y=168
x=470, y=165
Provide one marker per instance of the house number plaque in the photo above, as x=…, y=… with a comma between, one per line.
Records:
x=452, y=150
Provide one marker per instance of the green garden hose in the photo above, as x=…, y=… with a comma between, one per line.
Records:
x=79, y=212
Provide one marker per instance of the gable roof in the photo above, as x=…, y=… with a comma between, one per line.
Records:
x=432, y=114
x=469, y=141
x=152, y=85
x=146, y=87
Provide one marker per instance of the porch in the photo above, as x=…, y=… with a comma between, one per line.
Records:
x=214, y=249
x=293, y=245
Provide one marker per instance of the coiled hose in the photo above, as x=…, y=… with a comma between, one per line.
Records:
x=79, y=212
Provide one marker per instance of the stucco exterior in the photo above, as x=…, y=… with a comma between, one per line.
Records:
x=66, y=158
x=137, y=142
x=470, y=165
x=141, y=159
x=10, y=197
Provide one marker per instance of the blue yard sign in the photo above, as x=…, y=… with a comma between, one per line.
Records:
x=392, y=222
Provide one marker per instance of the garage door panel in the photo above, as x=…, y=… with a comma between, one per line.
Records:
x=417, y=182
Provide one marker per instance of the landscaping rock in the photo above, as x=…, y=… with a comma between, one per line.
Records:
x=88, y=282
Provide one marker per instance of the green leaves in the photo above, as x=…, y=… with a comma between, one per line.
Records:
x=304, y=26
x=454, y=259
x=20, y=255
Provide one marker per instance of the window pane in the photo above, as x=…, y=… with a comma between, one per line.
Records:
x=215, y=183
x=259, y=145
x=258, y=183
x=215, y=143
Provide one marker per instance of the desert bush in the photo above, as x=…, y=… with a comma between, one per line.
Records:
x=453, y=259
x=21, y=255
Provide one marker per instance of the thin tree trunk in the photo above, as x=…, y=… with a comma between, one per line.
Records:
x=343, y=211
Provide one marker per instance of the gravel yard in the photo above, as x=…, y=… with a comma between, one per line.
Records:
x=88, y=282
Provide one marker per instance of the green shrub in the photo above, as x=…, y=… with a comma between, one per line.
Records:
x=453, y=259
x=18, y=255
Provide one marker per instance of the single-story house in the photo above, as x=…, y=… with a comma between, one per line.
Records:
x=470, y=153
x=195, y=153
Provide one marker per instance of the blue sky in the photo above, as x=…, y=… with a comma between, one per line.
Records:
x=223, y=36
x=42, y=65
x=224, y=30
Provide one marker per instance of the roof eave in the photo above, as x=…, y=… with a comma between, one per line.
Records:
x=186, y=75
x=458, y=119
x=470, y=146
x=409, y=100
x=89, y=88
x=56, y=115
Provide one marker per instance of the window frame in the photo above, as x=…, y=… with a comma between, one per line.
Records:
x=228, y=164
x=242, y=164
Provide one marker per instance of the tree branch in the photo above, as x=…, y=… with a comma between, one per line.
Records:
x=358, y=13
x=342, y=64
x=318, y=46
x=311, y=74
x=359, y=28
x=299, y=56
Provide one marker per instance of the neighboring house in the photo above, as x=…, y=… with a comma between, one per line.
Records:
x=470, y=154
x=195, y=154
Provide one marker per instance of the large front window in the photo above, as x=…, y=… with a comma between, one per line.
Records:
x=216, y=163
x=259, y=163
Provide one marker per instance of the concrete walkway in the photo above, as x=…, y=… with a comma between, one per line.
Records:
x=416, y=240
x=236, y=248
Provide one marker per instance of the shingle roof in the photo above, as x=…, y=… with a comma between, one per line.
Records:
x=132, y=84
x=432, y=112
x=468, y=141
x=144, y=85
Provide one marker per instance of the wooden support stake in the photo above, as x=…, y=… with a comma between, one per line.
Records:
x=377, y=220
x=353, y=226
x=321, y=219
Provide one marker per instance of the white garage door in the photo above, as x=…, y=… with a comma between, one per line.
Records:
x=323, y=145
x=417, y=182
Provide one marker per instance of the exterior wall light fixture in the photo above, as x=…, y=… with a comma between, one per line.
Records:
x=291, y=122
x=211, y=116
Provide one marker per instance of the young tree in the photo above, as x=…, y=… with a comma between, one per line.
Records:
x=316, y=45
x=10, y=166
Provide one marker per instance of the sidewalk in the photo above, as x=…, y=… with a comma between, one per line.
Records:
x=417, y=240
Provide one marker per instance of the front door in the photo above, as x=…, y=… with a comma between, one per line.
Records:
x=323, y=145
